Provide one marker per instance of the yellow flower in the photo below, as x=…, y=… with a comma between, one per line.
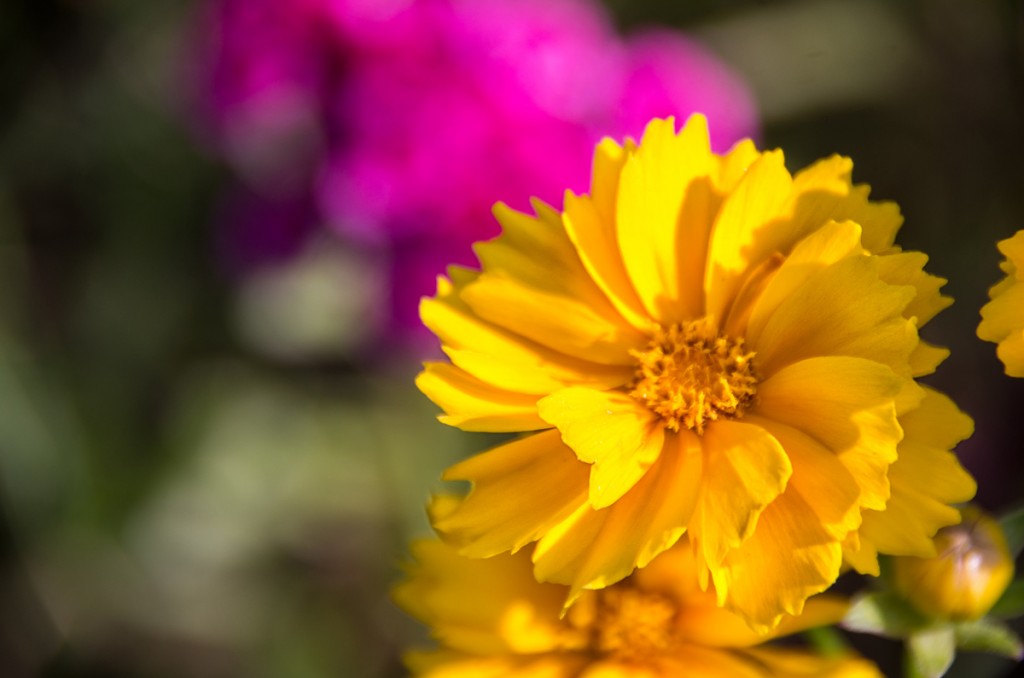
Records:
x=1002, y=319
x=963, y=581
x=491, y=618
x=705, y=345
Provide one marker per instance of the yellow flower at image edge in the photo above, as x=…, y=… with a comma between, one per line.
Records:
x=491, y=618
x=705, y=345
x=1002, y=318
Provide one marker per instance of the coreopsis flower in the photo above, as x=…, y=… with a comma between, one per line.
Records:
x=971, y=569
x=491, y=618
x=703, y=344
x=400, y=122
x=1002, y=318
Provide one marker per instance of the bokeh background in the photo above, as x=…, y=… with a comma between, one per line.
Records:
x=212, y=453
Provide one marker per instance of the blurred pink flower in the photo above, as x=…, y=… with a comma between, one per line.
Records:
x=264, y=68
x=403, y=121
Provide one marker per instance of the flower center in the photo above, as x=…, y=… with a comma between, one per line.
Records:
x=689, y=375
x=630, y=623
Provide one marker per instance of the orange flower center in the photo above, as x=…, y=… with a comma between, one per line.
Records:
x=689, y=375
x=631, y=624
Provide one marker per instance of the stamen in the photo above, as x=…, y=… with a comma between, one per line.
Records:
x=631, y=623
x=690, y=375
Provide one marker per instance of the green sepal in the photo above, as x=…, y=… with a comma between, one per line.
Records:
x=883, y=613
x=1012, y=524
x=827, y=641
x=1011, y=603
x=885, y=575
x=988, y=635
x=930, y=652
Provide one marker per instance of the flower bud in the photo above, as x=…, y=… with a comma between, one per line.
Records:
x=971, y=569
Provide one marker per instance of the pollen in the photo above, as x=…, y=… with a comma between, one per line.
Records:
x=689, y=375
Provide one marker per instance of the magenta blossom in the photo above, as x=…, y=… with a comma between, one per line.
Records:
x=403, y=121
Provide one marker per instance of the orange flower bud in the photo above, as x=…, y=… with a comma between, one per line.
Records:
x=972, y=568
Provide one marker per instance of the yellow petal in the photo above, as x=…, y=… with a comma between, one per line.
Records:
x=468, y=602
x=532, y=271
x=734, y=165
x=820, y=610
x=1012, y=277
x=907, y=268
x=612, y=431
x=925, y=358
x=701, y=621
x=536, y=379
x=788, y=558
x=597, y=244
x=536, y=251
x=841, y=310
x=1002, y=318
x=925, y=480
x=473, y=405
x=558, y=320
x=694, y=661
x=937, y=422
x=609, y=158
x=501, y=357
x=1011, y=353
x=713, y=626
x=612, y=668
x=520, y=490
x=593, y=549
x=742, y=235
x=745, y=469
x=787, y=663
x=823, y=192
x=846, y=404
x=821, y=479
x=861, y=555
x=903, y=528
x=664, y=211
x=1013, y=249
x=674, y=572
x=1003, y=315
x=466, y=665
x=704, y=623
x=832, y=242
x=590, y=224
